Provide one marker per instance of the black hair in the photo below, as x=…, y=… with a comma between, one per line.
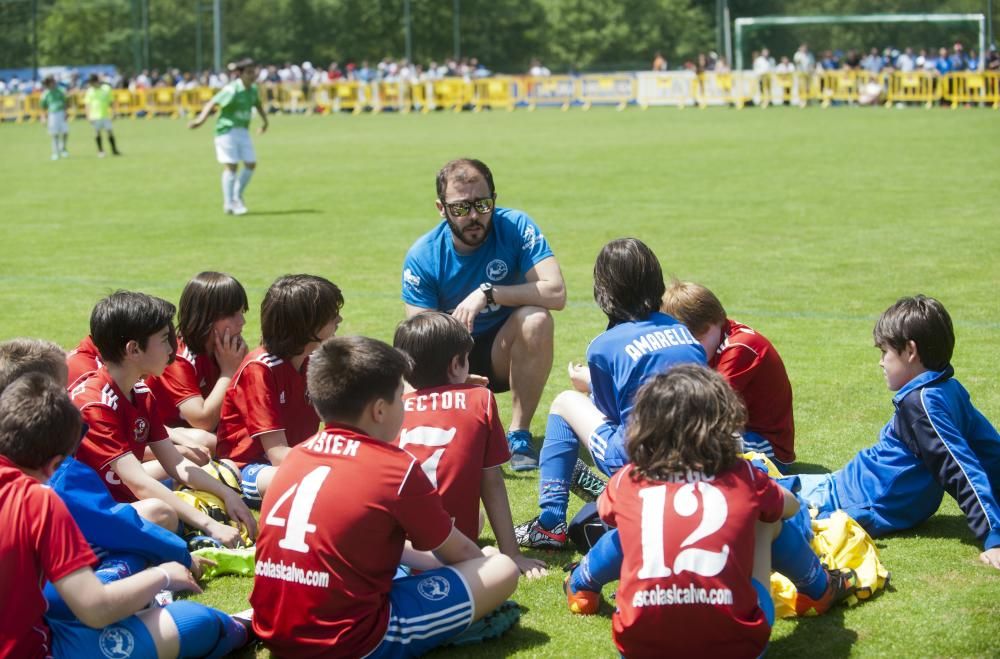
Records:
x=924, y=321
x=432, y=339
x=459, y=170
x=347, y=373
x=628, y=281
x=127, y=316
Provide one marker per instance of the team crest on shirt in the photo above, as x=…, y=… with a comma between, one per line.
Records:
x=140, y=430
x=496, y=269
x=116, y=642
x=434, y=588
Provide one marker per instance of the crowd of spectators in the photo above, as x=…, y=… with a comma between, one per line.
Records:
x=941, y=61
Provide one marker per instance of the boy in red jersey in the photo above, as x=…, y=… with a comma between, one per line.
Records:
x=265, y=411
x=454, y=430
x=750, y=364
x=210, y=347
x=337, y=516
x=39, y=427
x=696, y=524
x=134, y=334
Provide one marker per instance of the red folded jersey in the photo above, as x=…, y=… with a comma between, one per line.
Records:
x=82, y=360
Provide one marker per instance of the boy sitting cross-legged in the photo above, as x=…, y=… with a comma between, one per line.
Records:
x=454, y=429
x=39, y=427
x=337, y=515
x=134, y=334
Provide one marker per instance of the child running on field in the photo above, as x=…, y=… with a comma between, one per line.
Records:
x=265, y=411
x=696, y=524
x=748, y=362
x=339, y=511
x=454, y=429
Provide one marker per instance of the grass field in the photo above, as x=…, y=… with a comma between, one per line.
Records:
x=806, y=223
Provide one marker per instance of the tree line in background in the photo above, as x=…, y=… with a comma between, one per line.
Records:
x=505, y=35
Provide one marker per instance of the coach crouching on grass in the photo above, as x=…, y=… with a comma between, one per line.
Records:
x=493, y=270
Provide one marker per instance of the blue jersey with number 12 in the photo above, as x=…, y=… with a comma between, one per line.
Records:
x=437, y=276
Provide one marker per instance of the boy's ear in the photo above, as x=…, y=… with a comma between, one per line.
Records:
x=132, y=348
x=375, y=410
x=455, y=367
x=910, y=352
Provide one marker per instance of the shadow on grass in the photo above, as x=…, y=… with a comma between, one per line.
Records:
x=941, y=526
x=799, y=467
x=823, y=636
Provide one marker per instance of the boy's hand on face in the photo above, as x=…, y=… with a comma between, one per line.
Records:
x=991, y=557
x=229, y=352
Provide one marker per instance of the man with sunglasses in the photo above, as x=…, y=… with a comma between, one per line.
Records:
x=492, y=269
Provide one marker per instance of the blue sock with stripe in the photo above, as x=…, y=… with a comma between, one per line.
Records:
x=205, y=632
x=601, y=565
x=792, y=556
x=556, y=463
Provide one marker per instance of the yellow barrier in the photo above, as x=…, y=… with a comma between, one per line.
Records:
x=391, y=96
x=451, y=94
x=551, y=90
x=914, y=87
x=972, y=87
x=347, y=95
x=723, y=89
x=124, y=103
x=494, y=93
x=790, y=89
x=12, y=108
x=161, y=101
x=33, y=106
x=616, y=89
x=75, y=107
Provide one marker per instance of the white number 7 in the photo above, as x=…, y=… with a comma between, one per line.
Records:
x=428, y=436
x=298, y=516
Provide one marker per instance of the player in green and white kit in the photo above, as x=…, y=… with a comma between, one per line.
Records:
x=98, y=101
x=236, y=102
x=54, y=114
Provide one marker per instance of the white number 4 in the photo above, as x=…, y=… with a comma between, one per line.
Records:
x=298, y=524
x=700, y=561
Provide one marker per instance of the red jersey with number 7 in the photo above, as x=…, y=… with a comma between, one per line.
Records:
x=688, y=547
x=332, y=528
x=456, y=433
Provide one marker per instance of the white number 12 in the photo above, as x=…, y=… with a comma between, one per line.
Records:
x=700, y=561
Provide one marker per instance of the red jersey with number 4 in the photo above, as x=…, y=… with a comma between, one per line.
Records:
x=755, y=371
x=266, y=394
x=116, y=426
x=40, y=542
x=189, y=375
x=688, y=549
x=455, y=432
x=82, y=360
x=332, y=528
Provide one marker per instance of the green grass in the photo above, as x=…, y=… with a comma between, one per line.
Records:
x=806, y=223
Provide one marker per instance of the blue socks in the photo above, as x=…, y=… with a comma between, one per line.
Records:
x=601, y=565
x=205, y=632
x=792, y=556
x=557, y=459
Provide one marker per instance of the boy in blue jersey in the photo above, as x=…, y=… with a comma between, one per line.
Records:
x=640, y=341
x=493, y=270
x=935, y=442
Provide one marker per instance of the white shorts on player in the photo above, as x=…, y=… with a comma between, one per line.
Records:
x=57, y=123
x=235, y=146
x=101, y=124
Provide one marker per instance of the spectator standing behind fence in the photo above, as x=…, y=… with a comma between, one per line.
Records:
x=659, y=62
x=491, y=268
x=804, y=60
x=236, y=102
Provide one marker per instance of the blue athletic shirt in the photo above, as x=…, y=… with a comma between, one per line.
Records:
x=936, y=442
x=626, y=354
x=436, y=276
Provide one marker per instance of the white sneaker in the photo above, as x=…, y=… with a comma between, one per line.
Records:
x=227, y=209
x=100, y=154
x=239, y=208
x=65, y=154
x=55, y=156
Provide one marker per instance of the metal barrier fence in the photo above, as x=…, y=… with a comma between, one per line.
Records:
x=621, y=90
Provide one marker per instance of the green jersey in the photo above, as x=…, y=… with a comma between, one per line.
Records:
x=54, y=100
x=236, y=103
x=98, y=102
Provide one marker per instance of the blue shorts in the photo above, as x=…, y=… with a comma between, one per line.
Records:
x=607, y=448
x=112, y=568
x=127, y=638
x=764, y=600
x=425, y=611
x=248, y=481
x=760, y=444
